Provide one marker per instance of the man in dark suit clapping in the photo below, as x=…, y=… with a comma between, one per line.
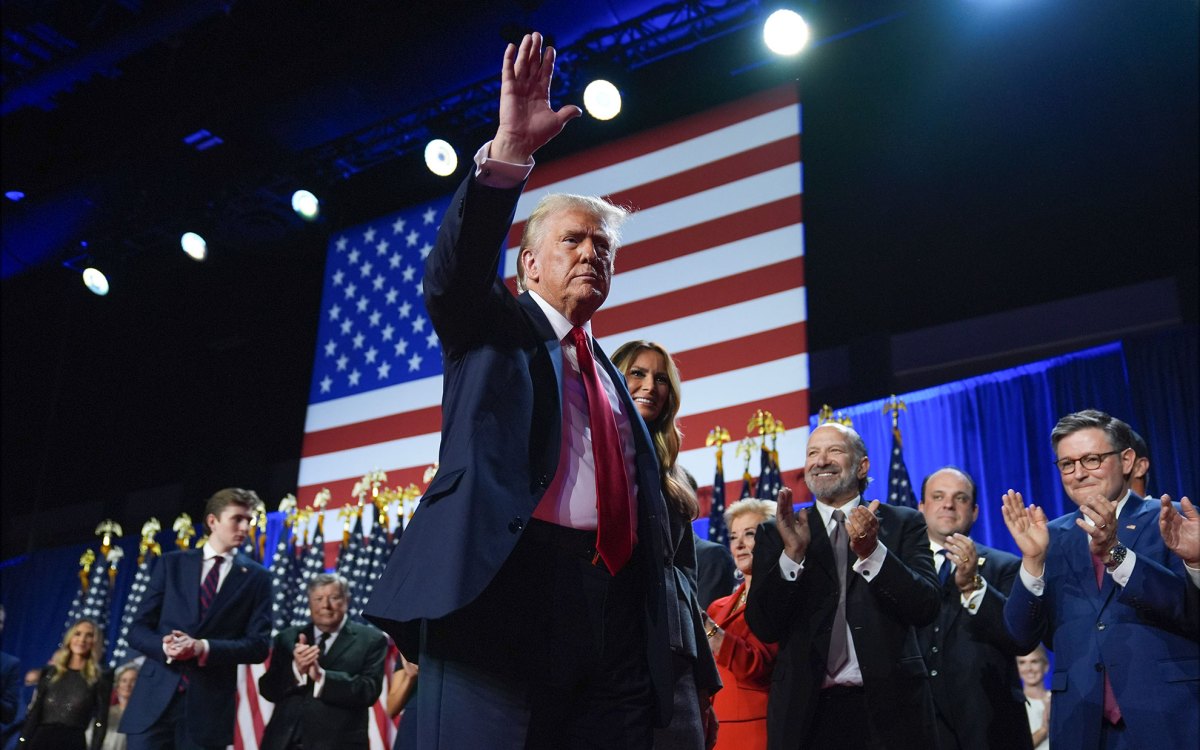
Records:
x=841, y=586
x=324, y=676
x=970, y=656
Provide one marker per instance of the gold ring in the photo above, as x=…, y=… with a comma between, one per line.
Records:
x=1103, y=526
x=862, y=536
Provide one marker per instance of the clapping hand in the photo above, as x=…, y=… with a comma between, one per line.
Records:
x=863, y=529
x=1181, y=532
x=1028, y=529
x=792, y=526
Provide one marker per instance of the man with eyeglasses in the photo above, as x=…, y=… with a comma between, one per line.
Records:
x=1101, y=588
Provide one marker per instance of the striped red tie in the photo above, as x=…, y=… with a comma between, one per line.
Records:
x=208, y=589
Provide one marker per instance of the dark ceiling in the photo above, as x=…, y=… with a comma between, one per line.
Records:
x=961, y=159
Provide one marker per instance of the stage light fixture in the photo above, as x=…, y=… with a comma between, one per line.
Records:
x=194, y=245
x=602, y=99
x=440, y=158
x=14, y=195
x=306, y=205
x=785, y=32
x=95, y=280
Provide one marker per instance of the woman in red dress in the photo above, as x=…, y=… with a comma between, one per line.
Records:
x=744, y=662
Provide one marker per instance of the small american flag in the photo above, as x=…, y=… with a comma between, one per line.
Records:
x=900, y=491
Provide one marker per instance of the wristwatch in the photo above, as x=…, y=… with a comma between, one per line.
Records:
x=1116, y=556
x=976, y=584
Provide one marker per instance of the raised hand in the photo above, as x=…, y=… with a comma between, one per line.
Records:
x=1028, y=529
x=1181, y=532
x=527, y=121
x=863, y=529
x=792, y=526
x=304, y=655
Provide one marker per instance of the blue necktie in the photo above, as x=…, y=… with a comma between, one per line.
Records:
x=944, y=571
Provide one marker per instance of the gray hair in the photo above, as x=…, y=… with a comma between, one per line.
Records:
x=757, y=506
x=610, y=216
x=327, y=579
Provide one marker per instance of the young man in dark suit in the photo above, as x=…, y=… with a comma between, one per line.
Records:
x=205, y=611
x=842, y=587
x=324, y=675
x=970, y=656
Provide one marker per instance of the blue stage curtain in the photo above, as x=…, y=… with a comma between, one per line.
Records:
x=996, y=427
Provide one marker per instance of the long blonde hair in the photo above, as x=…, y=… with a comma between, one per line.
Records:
x=665, y=430
x=61, y=660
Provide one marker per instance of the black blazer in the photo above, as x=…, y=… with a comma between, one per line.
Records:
x=101, y=692
x=883, y=615
x=338, y=717
x=972, y=664
x=716, y=571
x=501, y=433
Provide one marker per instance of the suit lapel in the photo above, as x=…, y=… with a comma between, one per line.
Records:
x=819, y=548
x=344, y=641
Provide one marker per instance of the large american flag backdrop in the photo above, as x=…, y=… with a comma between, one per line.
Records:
x=711, y=267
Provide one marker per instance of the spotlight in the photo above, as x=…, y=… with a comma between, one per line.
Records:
x=194, y=245
x=95, y=280
x=14, y=195
x=785, y=32
x=306, y=205
x=440, y=158
x=602, y=100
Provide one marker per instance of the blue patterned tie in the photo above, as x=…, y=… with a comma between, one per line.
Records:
x=208, y=589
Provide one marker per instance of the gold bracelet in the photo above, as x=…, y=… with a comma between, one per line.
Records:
x=712, y=631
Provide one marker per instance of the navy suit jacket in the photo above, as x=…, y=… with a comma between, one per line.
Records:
x=237, y=627
x=338, y=717
x=883, y=615
x=716, y=571
x=972, y=663
x=501, y=434
x=1143, y=634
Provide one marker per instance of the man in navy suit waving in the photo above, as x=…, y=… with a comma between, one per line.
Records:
x=1103, y=591
x=205, y=611
x=531, y=583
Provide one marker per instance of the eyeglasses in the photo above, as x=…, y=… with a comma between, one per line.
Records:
x=1091, y=461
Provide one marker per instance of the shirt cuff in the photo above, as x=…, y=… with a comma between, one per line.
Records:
x=301, y=678
x=1036, y=585
x=789, y=569
x=972, y=602
x=499, y=174
x=1193, y=573
x=1121, y=573
x=318, y=684
x=869, y=567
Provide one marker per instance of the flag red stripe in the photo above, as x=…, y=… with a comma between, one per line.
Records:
x=341, y=488
x=255, y=708
x=666, y=135
x=704, y=235
x=786, y=341
x=370, y=431
x=713, y=174
x=722, y=292
x=789, y=408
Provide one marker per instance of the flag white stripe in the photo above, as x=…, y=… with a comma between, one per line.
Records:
x=729, y=388
x=722, y=324
x=694, y=152
x=723, y=200
x=700, y=267
x=329, y=467
x=417, y=394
